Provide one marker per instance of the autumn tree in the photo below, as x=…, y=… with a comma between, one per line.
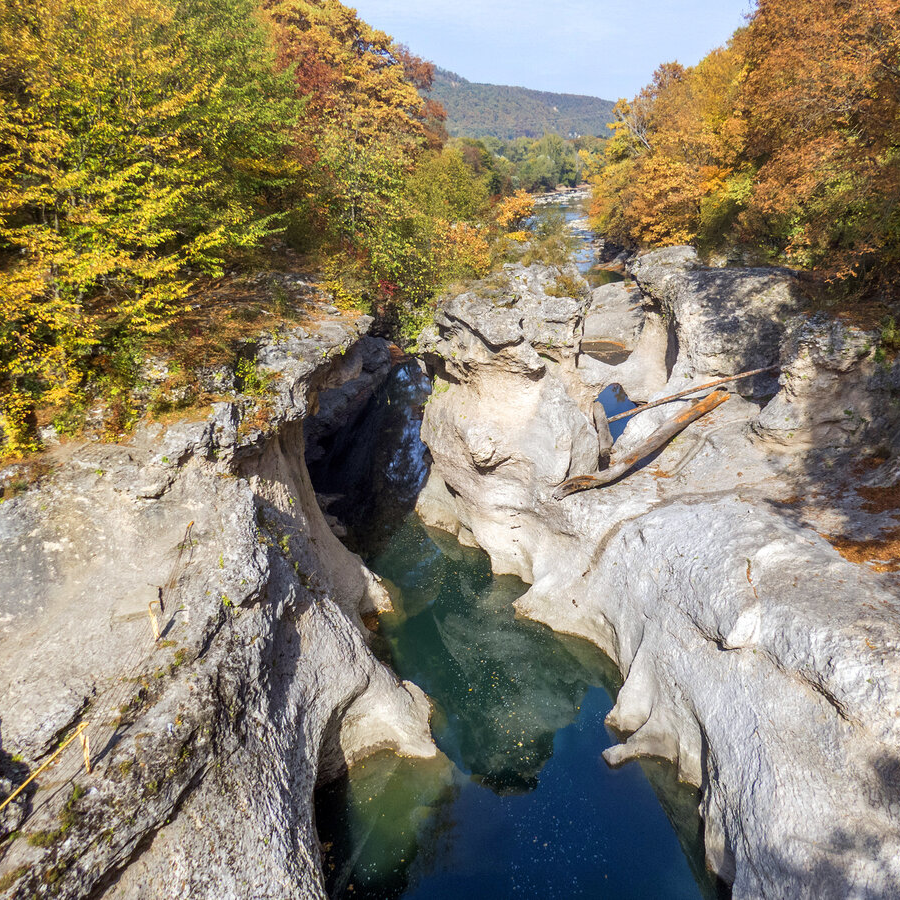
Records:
x=136, y=141
x=364, y=121
x=512, y=211
x=822, y=101
x=787, y=141
x=395, y=207
x=675, y=155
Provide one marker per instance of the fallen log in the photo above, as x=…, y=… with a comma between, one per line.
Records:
x=661, y=436
x=693, y=390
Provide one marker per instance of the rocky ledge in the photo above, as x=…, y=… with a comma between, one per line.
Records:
x=206, y=743
x=756, y=658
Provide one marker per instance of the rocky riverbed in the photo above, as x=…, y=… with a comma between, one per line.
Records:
x=756, y=658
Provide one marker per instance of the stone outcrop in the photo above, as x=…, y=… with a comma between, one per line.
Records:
x=759, y=661
x=613, y=315
x=207, y=744
x=724, y=321
x=834, y=393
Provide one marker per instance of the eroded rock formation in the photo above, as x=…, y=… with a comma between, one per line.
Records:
x=757, y=659
x=207, y=744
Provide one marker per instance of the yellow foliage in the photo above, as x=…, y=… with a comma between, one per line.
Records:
x=134, y=142
x=463, y=250
x=512, y=211
x=16, y=415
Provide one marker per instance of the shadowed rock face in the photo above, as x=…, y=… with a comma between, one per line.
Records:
x=206, y=745
x=614, y=314
x=344, y=394
x=833, y=394
x=372, y=469
x=758, y=660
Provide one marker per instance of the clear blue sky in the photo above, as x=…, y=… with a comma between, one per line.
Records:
x=607, y=48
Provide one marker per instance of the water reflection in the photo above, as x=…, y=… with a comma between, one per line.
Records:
x=502, y=686
x=374, y=825
x=607, y=351
x=597, y=277
x=615, y=401
x=520, y=802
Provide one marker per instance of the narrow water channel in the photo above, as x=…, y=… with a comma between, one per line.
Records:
x=519, y=802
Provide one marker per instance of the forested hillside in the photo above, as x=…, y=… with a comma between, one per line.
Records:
x=784, y=145
x=148, y=147
x=500, y=111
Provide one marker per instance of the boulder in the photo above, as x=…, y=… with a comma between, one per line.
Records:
x=726, y=321
x=833, y=392
x=614, y=314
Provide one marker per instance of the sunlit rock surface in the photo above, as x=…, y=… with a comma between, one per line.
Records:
x=755, y=657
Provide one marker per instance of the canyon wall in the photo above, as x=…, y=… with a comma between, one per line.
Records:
x=755, y=658
x=206, y=744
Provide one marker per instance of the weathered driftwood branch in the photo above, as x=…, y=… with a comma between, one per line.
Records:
x=661, y=436
x=693, y=390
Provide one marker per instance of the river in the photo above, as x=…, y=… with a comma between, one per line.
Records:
x=519, y=802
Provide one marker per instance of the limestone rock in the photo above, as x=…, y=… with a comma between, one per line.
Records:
x=756, y=659
x=726, y=321
x=208, y=743
x=614, y=314
x=832, y=390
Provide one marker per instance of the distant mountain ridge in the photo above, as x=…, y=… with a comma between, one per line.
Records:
x=506, y=112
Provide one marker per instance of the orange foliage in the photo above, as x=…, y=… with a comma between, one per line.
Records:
x=512, y=211
x=822, y=100
x=674, y=154
x=788, y=139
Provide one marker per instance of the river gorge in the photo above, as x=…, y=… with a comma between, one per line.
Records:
x=391, y=658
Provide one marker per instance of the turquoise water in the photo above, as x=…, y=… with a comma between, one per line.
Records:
x=519, y=802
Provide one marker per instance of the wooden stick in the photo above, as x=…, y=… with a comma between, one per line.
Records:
x=76, y=733
x=693, y=390
x=661, y=436
x=153, y=620
x=186, y=545
x=86, y=750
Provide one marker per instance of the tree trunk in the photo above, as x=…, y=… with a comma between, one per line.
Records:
x=661, y=436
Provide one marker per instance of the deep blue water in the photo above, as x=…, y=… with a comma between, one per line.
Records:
x=520, y=803
x=615, y=401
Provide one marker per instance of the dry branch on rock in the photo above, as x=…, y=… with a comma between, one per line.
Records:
x=658, y=439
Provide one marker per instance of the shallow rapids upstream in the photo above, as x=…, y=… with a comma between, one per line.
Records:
x=519, y=803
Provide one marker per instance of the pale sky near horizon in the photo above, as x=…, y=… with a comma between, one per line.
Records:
x=606, y=48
